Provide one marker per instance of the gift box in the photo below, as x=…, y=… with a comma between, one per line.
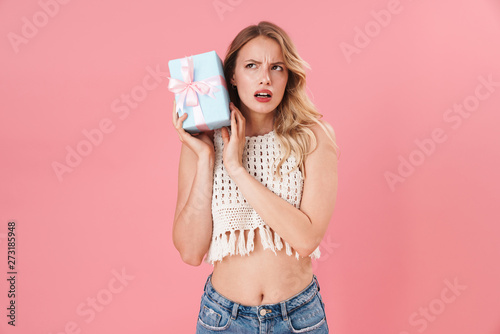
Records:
x=200, y=91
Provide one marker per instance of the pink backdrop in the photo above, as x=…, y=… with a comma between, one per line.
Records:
x=412, y=89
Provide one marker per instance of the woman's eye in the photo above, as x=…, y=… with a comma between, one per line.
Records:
x=275, y=67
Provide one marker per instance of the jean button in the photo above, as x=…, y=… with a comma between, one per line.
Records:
x=263, y=312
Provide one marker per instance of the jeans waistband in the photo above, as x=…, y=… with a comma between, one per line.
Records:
x=263, y=311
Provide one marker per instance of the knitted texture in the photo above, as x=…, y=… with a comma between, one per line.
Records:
x=230, y=210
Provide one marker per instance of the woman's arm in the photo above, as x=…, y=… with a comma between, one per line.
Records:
x=192, y=229
x=303, y=229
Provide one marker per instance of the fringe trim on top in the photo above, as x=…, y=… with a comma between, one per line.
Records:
x=222, y=246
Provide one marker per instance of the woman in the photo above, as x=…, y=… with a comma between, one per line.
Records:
x=257, y=227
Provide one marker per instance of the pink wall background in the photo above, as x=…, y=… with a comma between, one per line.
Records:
x=391, y=251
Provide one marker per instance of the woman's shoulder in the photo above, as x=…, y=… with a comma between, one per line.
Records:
x=329, y=127
x=326, y=141
x=212, y=133
x=322, y=132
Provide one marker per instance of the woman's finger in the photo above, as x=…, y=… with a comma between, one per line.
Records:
x=233, y=123
x=240, y=120
x=177, y=121
x=174, y=114
x=180, y=120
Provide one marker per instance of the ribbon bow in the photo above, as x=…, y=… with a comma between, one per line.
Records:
x=188, y=91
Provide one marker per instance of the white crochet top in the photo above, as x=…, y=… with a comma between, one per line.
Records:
x=230, y=210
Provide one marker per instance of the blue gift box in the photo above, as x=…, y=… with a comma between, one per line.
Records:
x=208, y=86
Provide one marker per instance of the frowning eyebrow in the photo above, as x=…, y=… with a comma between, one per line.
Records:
x=258, y=62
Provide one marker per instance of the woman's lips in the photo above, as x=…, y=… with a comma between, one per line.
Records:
x=263, y=99
x=263, y=95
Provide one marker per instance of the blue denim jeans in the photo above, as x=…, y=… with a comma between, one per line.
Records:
x=302, y=313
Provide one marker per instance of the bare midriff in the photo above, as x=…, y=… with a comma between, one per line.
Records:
x=261, y=277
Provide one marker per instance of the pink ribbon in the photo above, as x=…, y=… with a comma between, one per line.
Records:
x=188, y=91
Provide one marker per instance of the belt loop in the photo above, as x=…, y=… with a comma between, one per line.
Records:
x=283, y=311
x=235, y=311
x=317, y=283
x=206, y=283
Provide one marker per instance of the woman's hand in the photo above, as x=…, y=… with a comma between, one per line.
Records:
x=199, y=143
x=234, y=145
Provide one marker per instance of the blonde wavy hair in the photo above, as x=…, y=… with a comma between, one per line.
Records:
x=296, y=113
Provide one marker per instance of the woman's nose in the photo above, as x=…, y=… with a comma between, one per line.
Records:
x=265, y=78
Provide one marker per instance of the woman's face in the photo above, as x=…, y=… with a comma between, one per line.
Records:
x=260, y=68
